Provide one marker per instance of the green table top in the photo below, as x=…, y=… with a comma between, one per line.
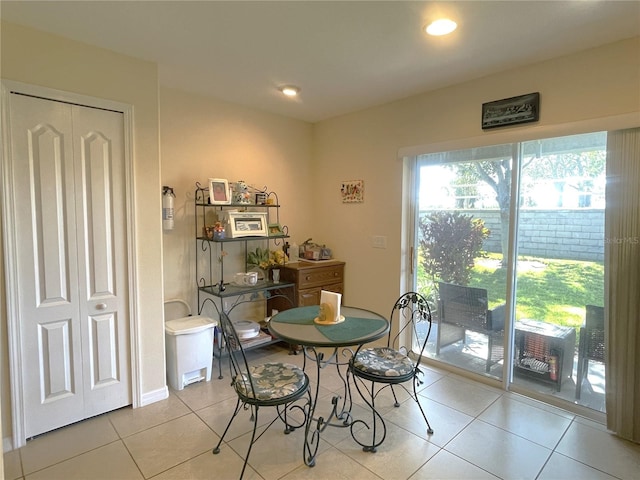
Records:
x=297, y=326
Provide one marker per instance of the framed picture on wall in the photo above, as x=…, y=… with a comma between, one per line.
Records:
x=511, y=111
x=219, y=193
x=352, y=191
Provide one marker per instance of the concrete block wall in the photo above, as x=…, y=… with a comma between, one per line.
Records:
x=572, y=234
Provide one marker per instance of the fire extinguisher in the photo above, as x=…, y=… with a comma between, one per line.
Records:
x=167, y=208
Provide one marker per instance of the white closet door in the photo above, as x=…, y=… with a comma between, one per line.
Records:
x=98, y=138
x=67, y=164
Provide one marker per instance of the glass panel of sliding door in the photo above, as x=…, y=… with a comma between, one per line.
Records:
x=462, y=241
x=560, y=269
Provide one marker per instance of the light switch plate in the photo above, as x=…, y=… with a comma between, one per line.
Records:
x=379, y=241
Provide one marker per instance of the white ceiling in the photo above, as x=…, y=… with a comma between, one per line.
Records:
x=345, y=55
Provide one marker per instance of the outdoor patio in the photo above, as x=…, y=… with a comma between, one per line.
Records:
x=472, y=355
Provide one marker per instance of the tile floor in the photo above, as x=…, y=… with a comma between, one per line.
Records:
x=480, y=432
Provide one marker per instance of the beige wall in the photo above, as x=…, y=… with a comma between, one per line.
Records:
x=202, y=138
x=38, y=58
x=590, y=85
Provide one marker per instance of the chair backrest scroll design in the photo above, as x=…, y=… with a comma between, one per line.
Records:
x=411, y=312
x=238, y=363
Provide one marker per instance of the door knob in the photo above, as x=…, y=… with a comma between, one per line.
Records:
x=101, y=306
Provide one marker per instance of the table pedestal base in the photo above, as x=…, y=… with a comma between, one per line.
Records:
x=340, y=415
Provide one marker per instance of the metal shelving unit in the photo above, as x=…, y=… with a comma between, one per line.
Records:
x=211, y=282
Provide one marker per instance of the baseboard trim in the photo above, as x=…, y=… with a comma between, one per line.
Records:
x=7, y=444
x=154, y=396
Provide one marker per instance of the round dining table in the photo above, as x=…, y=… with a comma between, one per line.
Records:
x=300, y=326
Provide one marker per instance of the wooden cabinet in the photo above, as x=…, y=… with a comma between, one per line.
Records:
x=309, y=280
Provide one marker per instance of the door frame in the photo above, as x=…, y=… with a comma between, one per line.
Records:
x=10, y=199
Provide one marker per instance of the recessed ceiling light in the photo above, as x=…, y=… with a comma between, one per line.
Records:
x=441, y=27
x=290, y=90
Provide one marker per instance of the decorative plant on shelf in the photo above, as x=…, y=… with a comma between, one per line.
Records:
x=265, y=259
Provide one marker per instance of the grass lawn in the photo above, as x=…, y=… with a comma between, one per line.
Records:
x=550, y=290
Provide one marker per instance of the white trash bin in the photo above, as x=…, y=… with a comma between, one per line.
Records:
x=189, y=348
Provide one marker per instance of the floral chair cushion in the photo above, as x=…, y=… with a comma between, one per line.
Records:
x=270, y=381
x=383, y=362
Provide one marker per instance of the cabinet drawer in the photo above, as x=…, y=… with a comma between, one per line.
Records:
x=311, y=296
x=334, y=287
x=316, y=277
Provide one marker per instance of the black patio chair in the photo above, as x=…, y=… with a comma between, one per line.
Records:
x=395, y=364
x=591, y=344
x=279, y=385
x=463, y=308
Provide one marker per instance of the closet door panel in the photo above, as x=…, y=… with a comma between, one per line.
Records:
x=103, y=281
x=51, y=352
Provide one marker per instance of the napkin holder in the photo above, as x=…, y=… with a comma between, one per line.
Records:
x=329, y=309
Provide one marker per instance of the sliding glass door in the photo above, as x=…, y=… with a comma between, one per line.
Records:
x=560, y=269
x=463, y=225
x=466, y=254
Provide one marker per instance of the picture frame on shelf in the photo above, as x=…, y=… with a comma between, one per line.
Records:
x=247, y=224
x=275, y=230
x=219, y=192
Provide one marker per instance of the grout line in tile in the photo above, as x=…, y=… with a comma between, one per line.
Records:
x=67, y=459
x=132, y=458
x=468, y=461
x=517, y=435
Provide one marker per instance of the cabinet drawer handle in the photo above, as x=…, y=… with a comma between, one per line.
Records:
x=101, y=306
x=308, y=277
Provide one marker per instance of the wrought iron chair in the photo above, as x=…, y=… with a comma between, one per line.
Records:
x=391, y=365
x=591, y=345
x=463, y=308
x=279, y=385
